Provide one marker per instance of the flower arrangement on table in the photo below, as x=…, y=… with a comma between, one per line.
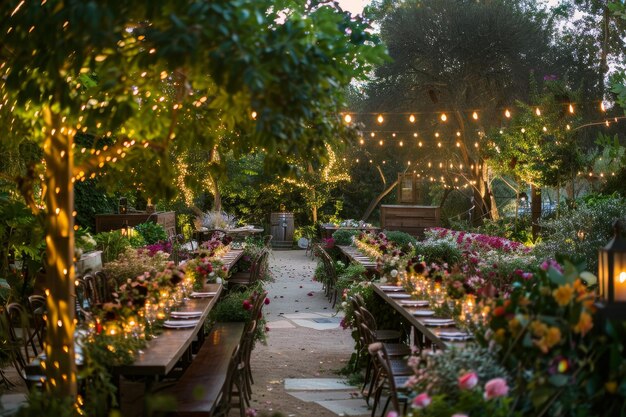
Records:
x=373, y=245
x=216, y=246
x=477, y=242
x=203, y=270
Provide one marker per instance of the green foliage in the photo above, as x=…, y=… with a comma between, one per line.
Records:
x=40, y=403
x=132, y=263
x=344, y=237
x=151, y=232
x=112, y=244
x=349, y=275
x=580, y=230
x=402, y=239
x=232, y=309
x=506, y=227
x=469, y=402
x=90, y=199
x=438, y=252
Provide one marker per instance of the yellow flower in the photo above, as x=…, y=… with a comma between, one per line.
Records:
x=563, y=295
x=551, y=337
x=514, y=325
x=538, y=328
x=499, y=336
x=585, y=323
x=611, y=387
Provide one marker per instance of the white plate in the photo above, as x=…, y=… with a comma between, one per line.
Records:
x=391, y=288
x=399, y=295
x=438, y=322
x=186, y=314
x=414, y=303
x=182, y=324
x=423, y=313
x=202, y=294
x=454, y=336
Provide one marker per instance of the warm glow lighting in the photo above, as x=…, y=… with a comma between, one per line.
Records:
x=537, y=111
x=347, y=118
x=380, y=119
x=602, y=106
x=444, y=117
x=622, y=277
x=253, y=115
x=412, y=118
x=571, y=109
x=507, y=114
x=475, y=116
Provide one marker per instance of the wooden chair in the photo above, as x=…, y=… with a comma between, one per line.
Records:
x=267, y=241
x=38, y=310
x=98, y=288
x=330, y=283
x=24, y=338
x=394, y=383
x=257, y=269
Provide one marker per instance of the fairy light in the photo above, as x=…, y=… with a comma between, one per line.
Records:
x=444, y=117
x=507, y=114
x=538, y=111
x=380, y=119
x=347, y=118
x=602, y=106
x=571, y=109
x=475, y=116
x=412, y=118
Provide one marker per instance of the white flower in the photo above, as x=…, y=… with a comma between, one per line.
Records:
x=212, y=274
x=219, y=280
x=344, y=304
x=393, y=273
x=383, y=280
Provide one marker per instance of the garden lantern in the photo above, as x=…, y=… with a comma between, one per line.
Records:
x=612, y=274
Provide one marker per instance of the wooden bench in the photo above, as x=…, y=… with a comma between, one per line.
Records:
x=199, y=390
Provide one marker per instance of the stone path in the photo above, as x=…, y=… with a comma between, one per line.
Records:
x=296, y=373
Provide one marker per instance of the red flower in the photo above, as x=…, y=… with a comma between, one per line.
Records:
x=499, y=311
x=267, y=301
x=247, y=305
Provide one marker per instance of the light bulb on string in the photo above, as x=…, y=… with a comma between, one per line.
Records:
x=393, y=135
x=458, y=133
x=361, y=141
x=602, y=106
x=415, y=135
x=436, y=134
x=401, y=143
x=419, y=143
x=412, y=118
x=444, y=117
x=380, y=119
x=372, y=134
x=380, y=142
x=347, y=118
x=507, y=114
x=571, y=109
x=475, y=116
x=538, y=111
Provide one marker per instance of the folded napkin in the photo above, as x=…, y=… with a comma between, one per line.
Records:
x=399, y=295
x=438, y=322
x=391, y=288
x=186, y=314
x=414, y=303
x=423, y=313
x=179, y=324
x=203, y=294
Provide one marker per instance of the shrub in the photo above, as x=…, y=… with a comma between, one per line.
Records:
x=581, y=230
x=401, y=239
x=134, y=263
x=111, y=244
x=151, y=232
x=344, y=237
x=439, y=252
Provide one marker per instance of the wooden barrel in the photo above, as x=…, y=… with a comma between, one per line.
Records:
x=281, y=228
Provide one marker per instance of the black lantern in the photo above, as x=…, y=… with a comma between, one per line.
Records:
x=612, y=274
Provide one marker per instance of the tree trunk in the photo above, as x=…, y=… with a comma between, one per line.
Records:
x=535, y=209
x=604, y=52
x=377, y=200
x=59, y=195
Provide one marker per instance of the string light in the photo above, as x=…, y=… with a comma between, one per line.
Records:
x=347, y=118
x=571, y=109
x=507, y=114
x=380, y=119
x=475, y=116
x=444, y=117
x=538, y=111
x=412, y=118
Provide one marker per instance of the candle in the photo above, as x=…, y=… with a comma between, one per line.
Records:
x=620, y=286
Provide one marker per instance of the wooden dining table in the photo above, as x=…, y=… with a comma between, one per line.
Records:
x=354, y=255
x=425, y=334
x=161, y=354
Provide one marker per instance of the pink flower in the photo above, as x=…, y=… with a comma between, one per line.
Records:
x=495, y=388
x=468, y=380
x=250, y=412
x=421, y=401
x=247, y=305
x=392, y=414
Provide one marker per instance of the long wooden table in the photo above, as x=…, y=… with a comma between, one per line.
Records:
x=425, y=336
x=161, y=354
x=356, y=256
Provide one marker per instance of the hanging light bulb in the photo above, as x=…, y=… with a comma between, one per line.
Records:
x=412, y=118
x=401, y=143
x=380, y=119
x=523, y=130
x=475, y=116
x=380, y=142
x=568, y=127
x=571, y=109
x=253, y=115
x=347, y=118
x=458, y=144
x=436, y=134
x=439, y=144
x=393, y=135
x=602, y=106
x=458, y=133
x=419, y=144
x=507, y=114
x=361, y=141
x=538, y=111
x=545, y=129
x=444, y=117
x=415, y=135
x=372, y=134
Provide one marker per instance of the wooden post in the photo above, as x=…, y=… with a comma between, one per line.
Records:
x=59, y=195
